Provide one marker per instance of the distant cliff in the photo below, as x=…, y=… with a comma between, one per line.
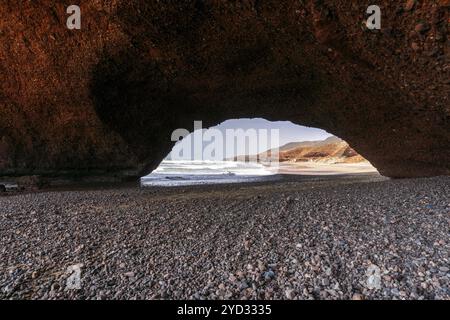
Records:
x=331, y=150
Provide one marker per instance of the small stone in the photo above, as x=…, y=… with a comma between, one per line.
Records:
x=243, y=285
x=290, y=294
x=357, y=296
x=55, y=287
x=129, y=274
x=444, y=269
x=261, y=265
x=373, y=277
x=232, y=278
x=269, y=275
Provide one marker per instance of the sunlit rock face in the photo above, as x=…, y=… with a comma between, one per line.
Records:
x=104, y=100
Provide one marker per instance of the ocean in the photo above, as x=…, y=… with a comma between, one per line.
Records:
x=185, y=173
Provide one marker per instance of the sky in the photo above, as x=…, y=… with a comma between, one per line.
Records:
x=289, y=132
x=283, y=132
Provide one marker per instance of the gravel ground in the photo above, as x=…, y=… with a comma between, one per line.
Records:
x=361, y=237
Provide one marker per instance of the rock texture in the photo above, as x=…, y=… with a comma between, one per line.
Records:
x=374, y=238
x=105, y=99
x=330, y=150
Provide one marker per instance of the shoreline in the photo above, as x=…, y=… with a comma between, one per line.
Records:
x=269, y=172
x=324, y=168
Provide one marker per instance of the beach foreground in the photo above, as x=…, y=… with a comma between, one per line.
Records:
x=330, y=237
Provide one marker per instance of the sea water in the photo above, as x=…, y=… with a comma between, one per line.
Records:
x=183, y=173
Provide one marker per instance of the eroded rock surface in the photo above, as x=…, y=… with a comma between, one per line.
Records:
x=104, y=99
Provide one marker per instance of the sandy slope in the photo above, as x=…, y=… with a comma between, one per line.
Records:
x=323, y=168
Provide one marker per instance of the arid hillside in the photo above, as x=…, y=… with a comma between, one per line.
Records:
x=330, y=150
x=333, y=150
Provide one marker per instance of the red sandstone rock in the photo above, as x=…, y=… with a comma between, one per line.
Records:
x=103, y=100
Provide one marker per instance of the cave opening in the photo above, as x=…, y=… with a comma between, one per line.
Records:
x=248, y=150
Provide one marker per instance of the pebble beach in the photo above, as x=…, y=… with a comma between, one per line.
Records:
x=343, y=237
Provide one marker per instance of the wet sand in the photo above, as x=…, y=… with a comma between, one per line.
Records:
x=323, y=168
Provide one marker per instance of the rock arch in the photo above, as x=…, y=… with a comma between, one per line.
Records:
x=103, y=100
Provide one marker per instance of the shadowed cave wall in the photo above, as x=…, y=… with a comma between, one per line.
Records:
x=105, y=99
